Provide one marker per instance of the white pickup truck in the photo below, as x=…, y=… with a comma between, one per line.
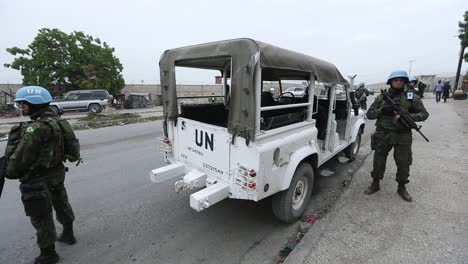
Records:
x=255, y=144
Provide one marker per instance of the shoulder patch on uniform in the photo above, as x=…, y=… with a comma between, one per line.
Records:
x=30, y=130
x=409, y=96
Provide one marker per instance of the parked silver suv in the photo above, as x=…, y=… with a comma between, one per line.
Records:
x=91, y=100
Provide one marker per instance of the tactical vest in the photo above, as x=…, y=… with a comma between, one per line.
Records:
x=386, y=122
x=359, y=93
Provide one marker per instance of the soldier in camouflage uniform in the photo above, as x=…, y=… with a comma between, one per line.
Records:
x=390, y=133
x=35, y=157
x=361, y=95
x=411, y=87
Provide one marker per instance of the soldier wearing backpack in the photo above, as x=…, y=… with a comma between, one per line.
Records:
x=35, y=152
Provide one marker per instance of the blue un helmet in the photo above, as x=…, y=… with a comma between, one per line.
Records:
x=33, y=95
x=412, y=79
x=397, y=74
x=361, y=85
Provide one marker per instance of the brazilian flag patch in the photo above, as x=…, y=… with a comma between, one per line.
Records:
x=30, y=130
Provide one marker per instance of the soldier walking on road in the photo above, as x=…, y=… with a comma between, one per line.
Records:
x=390, y=133
x=35, y=155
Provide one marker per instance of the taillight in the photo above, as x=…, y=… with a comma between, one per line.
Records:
x=246, y=178
x=165, y=146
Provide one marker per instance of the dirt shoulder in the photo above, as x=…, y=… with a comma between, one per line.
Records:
x=91, y=121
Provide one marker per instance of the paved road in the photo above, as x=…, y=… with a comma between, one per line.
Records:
x=121, y=217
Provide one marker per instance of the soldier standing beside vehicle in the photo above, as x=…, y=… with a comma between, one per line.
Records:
x=35, y=154
x=390, y=133
x=421, y=88
x=361, y=95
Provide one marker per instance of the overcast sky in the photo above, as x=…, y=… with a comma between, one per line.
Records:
x=367, y=37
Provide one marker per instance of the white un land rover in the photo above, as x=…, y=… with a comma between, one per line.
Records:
x=255, y=141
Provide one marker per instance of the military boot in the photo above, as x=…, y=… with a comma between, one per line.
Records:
x=48, y=256
x=373, y=188
x=67, y=235
x=404, y=193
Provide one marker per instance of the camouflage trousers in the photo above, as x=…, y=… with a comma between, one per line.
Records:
x=382, y=141
x=39, y=199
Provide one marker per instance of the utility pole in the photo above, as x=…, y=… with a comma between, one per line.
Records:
x=458, y=93
x=410, y=63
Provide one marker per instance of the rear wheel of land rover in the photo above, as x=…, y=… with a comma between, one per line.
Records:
x=95, y=108
x=289, y=205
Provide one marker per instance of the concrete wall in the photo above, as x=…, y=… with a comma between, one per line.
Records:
x=182, y=91
x=430, y=80
x=6, y=87
x=153, y=89
x=216, y=90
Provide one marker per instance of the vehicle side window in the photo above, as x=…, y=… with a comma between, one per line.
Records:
x=279, y=88
x=72, y=96
x=84, y=96
x=99, y=95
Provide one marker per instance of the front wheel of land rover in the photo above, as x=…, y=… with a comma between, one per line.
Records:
x=289, y=205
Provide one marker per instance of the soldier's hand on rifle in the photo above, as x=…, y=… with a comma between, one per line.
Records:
x=387, y=110
x=396, y=120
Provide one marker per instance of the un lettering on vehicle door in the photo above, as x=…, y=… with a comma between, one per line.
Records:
x=204, y=146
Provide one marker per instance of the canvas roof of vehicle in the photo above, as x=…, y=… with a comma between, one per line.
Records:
x=275, y=61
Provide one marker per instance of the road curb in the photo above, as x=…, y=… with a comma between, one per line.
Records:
x=303, y=249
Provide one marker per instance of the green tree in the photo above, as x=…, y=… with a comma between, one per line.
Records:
x=62, y=62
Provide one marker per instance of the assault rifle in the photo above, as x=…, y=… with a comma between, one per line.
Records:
x=405, y=118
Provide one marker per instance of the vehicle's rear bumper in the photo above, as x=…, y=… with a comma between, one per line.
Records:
x=192, y=178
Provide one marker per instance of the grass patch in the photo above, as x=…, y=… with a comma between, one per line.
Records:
x=114, y=116
x=98, y=120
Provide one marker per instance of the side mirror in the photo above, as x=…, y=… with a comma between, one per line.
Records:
x=352, y=76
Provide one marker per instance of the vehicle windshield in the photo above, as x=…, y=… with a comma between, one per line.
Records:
x=295, y=89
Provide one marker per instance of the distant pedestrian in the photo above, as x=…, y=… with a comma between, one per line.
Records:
x=446, y=91
x=390, y=133
x=438, y=90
